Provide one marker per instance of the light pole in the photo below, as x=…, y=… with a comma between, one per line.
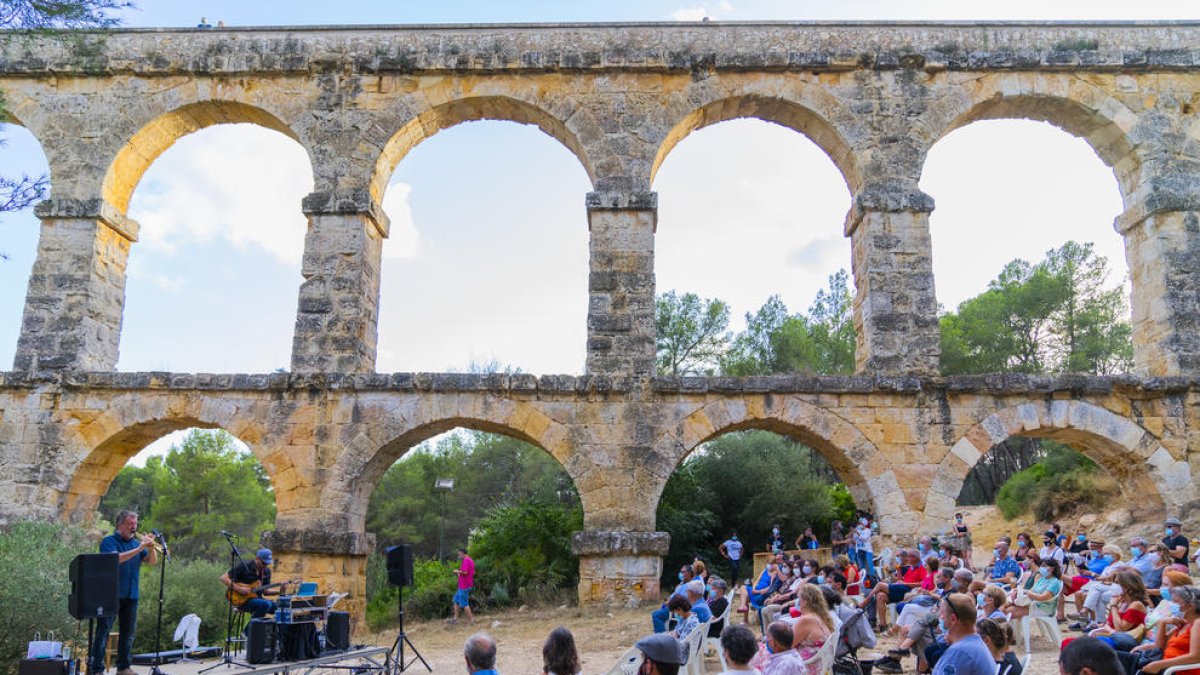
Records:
x=442, y=485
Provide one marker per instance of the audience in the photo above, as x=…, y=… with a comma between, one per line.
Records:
x=685, y=619
x=717, y=606
x=997, y=636
x=967, y=655
x=660, y=616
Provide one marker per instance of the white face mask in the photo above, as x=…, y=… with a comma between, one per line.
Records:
x=807, y=569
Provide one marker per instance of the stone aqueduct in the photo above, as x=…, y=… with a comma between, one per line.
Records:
x=874, y=97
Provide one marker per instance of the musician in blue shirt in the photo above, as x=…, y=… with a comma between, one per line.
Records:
x=131, y=553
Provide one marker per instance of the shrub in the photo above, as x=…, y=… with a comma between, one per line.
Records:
x=1063, y=481
x=192, y=588
x=34, y=586
x=526, y=547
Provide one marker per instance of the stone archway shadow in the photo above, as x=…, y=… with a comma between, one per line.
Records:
x=1146, y=471
x=858, y=462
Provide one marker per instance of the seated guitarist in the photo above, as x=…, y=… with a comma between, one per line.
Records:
x=246, y=581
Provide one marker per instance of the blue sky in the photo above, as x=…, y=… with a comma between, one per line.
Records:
x=488, y=258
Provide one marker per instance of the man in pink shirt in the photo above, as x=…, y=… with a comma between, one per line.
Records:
x=466, y=581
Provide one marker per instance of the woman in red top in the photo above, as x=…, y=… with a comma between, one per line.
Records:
x=1179, y=636
x=1126, y=612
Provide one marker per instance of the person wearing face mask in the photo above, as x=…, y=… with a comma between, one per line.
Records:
x=1165, y=609
x=967, y=655
x=731, y=549
x=776, y=604
x=1101, y=591
x=908, y=577
x=1024, y=547
x=1051, y=549
x=1043, y=595
x=660, y=616
x=695, y=595
x=1097, y=572
x=963, y=533
x=837, y=539
x=1005, y=570
x=862, y=544
x=1080, y=546
x=1175, y=543
x=1179, y=637
x=775, y=541
x=686, y=620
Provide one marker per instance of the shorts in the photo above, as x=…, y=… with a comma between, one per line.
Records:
x=896, y=592
x=462, y=597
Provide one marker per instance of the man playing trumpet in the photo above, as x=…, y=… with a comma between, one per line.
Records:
x=132, y=550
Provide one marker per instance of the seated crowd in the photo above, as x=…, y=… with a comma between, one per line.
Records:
x=1135, y=607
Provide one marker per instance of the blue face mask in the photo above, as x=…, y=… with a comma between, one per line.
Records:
x=941, y=625
x=820, y=578
x=921, y=548
x=1166, y=593
x=1136, y=551
x=1170, y=532
x=1045, y=571
x=681, y=576
x=1081, y=538
x=734, y=537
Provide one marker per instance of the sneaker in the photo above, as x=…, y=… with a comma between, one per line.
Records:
x=898, y=653
x=1078, y=625
x=888, y=665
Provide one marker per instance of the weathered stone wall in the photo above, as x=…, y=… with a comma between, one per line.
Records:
x=619, y=97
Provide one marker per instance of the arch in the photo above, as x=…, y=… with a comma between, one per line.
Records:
x=1065, y=101
x=105, y=444
x=152, y=139
x=1147, y=472
x=800, y=114
x=471, y=109
x=401, y=427
x=865, y=470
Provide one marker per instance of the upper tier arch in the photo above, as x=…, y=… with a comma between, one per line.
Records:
x=451, y=109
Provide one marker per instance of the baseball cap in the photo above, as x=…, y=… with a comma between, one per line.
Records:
x=1173, y=521
x=264, y=554
x=661, y=648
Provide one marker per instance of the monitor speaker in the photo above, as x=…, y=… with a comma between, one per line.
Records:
x=260, y=641
x=95, y=581
x=337, y=631
x=400, y=565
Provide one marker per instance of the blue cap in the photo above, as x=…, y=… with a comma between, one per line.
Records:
x=264, y=554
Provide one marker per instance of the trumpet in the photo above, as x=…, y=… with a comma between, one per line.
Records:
x=157, y=546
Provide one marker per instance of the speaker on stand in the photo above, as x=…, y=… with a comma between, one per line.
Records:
x=95, y=582
x=400, y=574
x=400, y=565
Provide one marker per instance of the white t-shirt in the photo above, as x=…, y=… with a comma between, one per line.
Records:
x=862, y=539
x=1058, y=554
x=734, y=548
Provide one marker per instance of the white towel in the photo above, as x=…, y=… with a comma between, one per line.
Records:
x=188, y=632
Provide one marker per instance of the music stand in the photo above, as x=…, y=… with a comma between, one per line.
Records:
x=235, y=559
x=398, y=664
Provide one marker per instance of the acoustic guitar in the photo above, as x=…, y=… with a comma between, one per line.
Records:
x=237, y=599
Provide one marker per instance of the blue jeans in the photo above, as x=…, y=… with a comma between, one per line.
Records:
x=257, y=608
x=659, y=618
x=866, y=562
x=127, y=615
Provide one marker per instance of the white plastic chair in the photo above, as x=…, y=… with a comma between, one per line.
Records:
x=715, y=642
x=821, y=663
x=629, y=663
x=693, y=646
x=1048, y=625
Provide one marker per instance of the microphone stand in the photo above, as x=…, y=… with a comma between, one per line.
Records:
x=162, y=582
x=235, y=559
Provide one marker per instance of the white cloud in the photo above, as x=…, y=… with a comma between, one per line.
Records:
x=818, y=253
x=240, y=183
x=167, y=283
x=404, y=237
x=700, y=12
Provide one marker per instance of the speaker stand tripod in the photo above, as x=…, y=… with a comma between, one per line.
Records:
x=396, y=655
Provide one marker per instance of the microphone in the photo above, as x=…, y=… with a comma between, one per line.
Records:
x=229, y=534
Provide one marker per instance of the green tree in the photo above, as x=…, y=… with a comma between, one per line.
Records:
x=819, y=342
x=1055, y=316
x=208, y=485
x=135, y=488
x=692, y=333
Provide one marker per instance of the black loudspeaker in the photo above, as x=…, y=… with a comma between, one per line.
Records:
x=95, y=581
x=400, y=565
x=260, y=641
x=298, y=642
x=337, y=631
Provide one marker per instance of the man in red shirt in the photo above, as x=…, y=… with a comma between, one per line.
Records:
x=466, y=581
x=907, y=577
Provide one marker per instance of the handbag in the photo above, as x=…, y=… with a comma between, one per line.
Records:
x=44, y=649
